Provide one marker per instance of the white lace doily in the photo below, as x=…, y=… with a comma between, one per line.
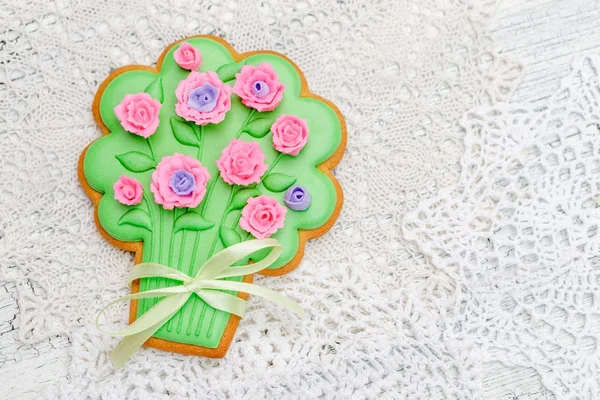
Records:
x=373, y=323
x=517, y=239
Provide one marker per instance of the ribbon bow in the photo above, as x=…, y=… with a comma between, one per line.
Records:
x=206, y=284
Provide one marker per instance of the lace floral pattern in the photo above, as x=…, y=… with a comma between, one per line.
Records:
x=517, y=237
x=401, y=87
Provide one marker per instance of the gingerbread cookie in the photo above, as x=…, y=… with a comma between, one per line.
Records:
x=210, y=149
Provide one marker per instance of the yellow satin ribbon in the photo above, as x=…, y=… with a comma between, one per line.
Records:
x=206, y=284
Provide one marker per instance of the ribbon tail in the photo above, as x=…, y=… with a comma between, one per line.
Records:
x=223, y=260
x=145, y=326
x=241, y=271
x=207, y=284
x=224, y=302
x=130, y=344
x=258, y=291
x=146, y=319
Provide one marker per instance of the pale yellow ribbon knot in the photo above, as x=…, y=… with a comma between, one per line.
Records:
x=206, y=284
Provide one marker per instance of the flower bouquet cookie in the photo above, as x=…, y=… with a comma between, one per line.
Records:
x=213, y=166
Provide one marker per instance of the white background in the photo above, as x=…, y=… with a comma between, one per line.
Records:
x=543, y=35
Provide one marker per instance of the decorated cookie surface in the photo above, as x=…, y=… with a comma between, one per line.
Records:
x=207, y=150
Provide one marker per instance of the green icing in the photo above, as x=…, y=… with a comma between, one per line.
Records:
x=185, y=241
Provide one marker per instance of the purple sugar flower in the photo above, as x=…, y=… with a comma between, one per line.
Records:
x=297, y=198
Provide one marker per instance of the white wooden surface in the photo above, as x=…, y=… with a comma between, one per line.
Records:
x=543, y=34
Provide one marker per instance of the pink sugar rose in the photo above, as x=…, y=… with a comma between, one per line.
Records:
x=179, y=181
x=290, y=134
x=262, y=216
x=242, y=163
x=202, y=98
x=138, y=114
x=188, y=57
x=258, y=87
x=128, y=191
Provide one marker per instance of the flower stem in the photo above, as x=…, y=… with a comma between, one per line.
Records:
x=180, y=267
x=195, y=300
x=199, y=326
x=150, y=214
x=234, y=188
x=211, y=324
x=171, y=252
x=161, y=237
x=151, y=150
x=194, y=254
x=270, y=169
x=212, y=249
x=163, y=281
x=182, y=248
x=144, y=304
x=237, y=221
x=200, y=133
x=216, y=178
x=209, y=192
x=250, y=116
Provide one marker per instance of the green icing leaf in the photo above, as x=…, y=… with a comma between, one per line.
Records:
x=278, y=182
x=136, y=161
x=259, y=127
x=227, y=72
x=192, y=221
x=241, y=198
x=228, y=236
x=136, y=217
x=155, y=90
x=184, y=133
